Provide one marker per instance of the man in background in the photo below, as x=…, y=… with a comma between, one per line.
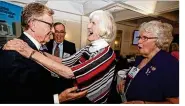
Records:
x=61, y=48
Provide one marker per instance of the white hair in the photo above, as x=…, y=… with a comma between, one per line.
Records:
x=107, y=24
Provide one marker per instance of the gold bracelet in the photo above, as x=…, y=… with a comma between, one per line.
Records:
x=33, y=52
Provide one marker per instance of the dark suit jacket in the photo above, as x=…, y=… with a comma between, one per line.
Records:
x=68, y=47
x=23, y=80
x=61, y=83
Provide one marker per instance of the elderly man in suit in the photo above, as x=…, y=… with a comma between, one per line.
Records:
x=23, y=80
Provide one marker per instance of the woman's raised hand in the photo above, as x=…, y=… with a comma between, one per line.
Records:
x=20, y=46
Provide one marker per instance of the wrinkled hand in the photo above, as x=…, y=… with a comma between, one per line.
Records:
x=121, y=86
x=134, y=102
x=71, y=94
x=19, y=46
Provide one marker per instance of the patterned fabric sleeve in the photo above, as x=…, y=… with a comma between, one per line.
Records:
x=70, y=61
x=96, y=74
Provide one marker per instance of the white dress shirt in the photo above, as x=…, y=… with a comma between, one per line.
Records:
x=35, y=42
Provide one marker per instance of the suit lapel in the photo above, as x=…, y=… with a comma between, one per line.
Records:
x=28, y=41
x=64, y=43
x=50, y=46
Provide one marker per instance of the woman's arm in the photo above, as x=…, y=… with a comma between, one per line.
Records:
x=52, y=65
x=25, y=50
x=57, y=59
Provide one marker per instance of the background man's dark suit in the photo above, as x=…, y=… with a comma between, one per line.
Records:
x=62, y=83
x=23, y=80
x=68, y=47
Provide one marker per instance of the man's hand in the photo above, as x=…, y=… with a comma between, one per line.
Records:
x=121, y=86
x=71, y=94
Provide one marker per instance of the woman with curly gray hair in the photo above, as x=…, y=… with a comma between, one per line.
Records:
x=155, y=76
x=162, y=31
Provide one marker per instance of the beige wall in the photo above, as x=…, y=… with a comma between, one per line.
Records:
x=73, y=32
x=84, y=31
x=126, y=46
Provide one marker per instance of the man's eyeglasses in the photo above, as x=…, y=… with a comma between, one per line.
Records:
x=50, y=24
x=145, y=38
x=60, y=32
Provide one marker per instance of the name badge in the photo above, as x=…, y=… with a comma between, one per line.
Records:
x=66, y=55
x=133, y=72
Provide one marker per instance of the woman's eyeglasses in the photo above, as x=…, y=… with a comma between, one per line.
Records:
x=145, y=38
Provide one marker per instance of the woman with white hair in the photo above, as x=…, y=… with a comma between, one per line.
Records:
x=93, y=66
x=155, y=75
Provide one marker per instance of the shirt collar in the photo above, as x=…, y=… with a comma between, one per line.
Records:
x=35, y=42
x=55, y=43
x=97, y=45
